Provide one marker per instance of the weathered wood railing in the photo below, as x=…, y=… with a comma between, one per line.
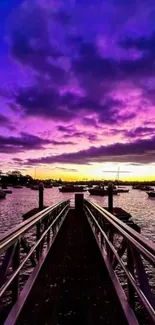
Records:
x=43, y=227
x=123, y=247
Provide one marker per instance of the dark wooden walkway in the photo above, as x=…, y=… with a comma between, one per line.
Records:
x=73, y=286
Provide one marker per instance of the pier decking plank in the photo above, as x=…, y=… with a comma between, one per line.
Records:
x=73, y=286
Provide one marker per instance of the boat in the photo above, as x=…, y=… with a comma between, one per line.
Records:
x=136, y=187
x=35, y=187
x=146, y=188
x=7, y=191
x=151, y=194
x=17, y=186
x=72, y=188
x=122, y=190
x=142, y=187
x=119, y=189
x=2, y=194
x=101, y=191
x=48, y=185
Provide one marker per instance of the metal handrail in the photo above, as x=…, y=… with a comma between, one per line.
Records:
x=8, y=238
x=47, y=224
x=135, y=243
x=126, y=230
x=36, y=217
x=8, y=282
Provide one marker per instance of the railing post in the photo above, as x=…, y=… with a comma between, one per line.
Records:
x=79, y=203
x=38, y=235
x=110, y=197
x=41, y=196
x=15, y=264
x=130, y=266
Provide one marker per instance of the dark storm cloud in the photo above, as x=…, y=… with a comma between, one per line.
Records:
x=142, y=151
x=21, y=143
x=43, y=101
x=142, y=43
x=6, y=122
x=25, y=142
x=30, y=43
x=139, y=131
x=71, y=131
x=91, y=64
x=34, y=45
x=48, y=103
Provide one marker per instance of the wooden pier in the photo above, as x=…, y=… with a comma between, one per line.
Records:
x=76, y=258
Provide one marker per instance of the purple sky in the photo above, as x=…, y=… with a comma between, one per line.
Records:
x=77, y=83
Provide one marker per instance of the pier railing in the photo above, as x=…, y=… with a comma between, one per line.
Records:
x=124, y=249
x=16, y=249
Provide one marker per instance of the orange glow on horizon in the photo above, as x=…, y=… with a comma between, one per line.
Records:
x=96, y=171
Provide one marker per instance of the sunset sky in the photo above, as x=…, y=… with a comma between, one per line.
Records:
x=77, y=88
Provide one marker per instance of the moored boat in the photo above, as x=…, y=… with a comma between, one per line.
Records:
x=48, y=185
x=7, y=191
x=101, y=191
x=72, y=188
x=35, y=187
x=142, y=187
x=2, y=194
x=122, y=190
x=146, y=188
x=151, y=194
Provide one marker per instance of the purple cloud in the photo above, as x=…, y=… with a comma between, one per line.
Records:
x=139, y=131
x=26, y=142
x=141, y=43
x=21, y=143
x=6, y=122
x=142, y=151
x=41, y=101
x=30, y=43
x=84, y=74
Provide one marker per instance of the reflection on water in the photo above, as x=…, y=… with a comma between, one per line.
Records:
x=135, y=202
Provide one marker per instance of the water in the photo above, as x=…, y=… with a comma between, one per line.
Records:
x=22, y=200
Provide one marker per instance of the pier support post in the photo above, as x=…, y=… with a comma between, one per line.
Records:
x=41, y=196
x=79, y=200
x=110, y=197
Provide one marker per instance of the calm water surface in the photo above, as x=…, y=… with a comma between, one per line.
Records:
x=135, y=202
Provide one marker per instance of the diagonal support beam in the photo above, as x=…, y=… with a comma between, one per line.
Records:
x=6, y=263
x=121, y=250
x=142, y=277
x=27, y=248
